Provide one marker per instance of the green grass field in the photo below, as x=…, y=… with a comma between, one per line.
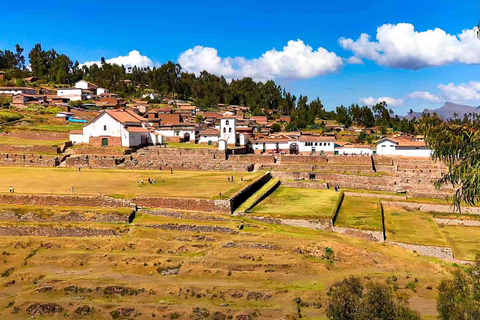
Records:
x=27, y=142
x=412, y=227
x=465, y=241
x=298, y=203
x=360, y=213
x=123, y=183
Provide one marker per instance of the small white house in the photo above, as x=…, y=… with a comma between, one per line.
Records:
x=74, y=94
x=402, y=147
x=304, y=144
x=102, y=91
x=185, y=131
x=85, y=85
x=17, y=90
x=118, y=128
x=209, y=136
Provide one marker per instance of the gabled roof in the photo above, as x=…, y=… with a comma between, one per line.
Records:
x=210, y=132
x=122, y=116
x=137, y=129
x=402, y=142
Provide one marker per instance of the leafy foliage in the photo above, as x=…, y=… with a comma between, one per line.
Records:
x=457, y=145
x=349, y=299
x=459, y=298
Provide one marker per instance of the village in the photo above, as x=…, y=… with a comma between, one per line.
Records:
x=138, y=124
x=156, y=207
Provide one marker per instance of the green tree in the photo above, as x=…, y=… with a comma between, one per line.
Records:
x=349, y=299
x=198, y=119
x=276, y=127
x=459, y=298
x=457, y=146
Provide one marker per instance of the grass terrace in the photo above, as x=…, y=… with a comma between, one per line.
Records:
x=360, y=213
x=123, y=183
x=413, y=227
x=28, y=142
x=463, y=240
x=298, y=203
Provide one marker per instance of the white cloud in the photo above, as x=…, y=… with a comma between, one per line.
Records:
x=424, y=95
x=354, y=60
x=461, y=92
x=134, y=58
x=295, y=61
x=391, y=102
x=400, y=46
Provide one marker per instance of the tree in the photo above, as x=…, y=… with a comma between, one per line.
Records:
x=198, y=119
x=20, y=59
x=343, y=116
x=457, y=146
x=276, y=127
x=459, y=298
x=349, y=299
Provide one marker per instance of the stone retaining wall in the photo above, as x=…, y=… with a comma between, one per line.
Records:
x=304, y=184
x=191, y=204
x=429, y=251
x=242, y=195
x=369, y=235
x=64, y=200
x=312, y=224
x=374, y=195
x=299, y=159
x=33, y=160
x=350, y=159
x=457, y=222
x=251, y=158
x=6, y=215
x=57, y=232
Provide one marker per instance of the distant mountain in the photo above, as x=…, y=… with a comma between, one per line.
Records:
x=448, y=110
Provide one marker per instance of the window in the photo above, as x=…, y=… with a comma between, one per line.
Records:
x=104, y=128
x=227, y=122
x=317, y=144
x=229, y=129
x=224, y=130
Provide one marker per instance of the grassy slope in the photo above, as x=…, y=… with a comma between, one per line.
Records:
x=412, y=227
x=26, y=142
x=123, y=183
x=250, y=201
x=465, y=241
x=297, y=203
x=360, y=213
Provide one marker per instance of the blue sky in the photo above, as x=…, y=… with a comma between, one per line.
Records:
x=162, y=31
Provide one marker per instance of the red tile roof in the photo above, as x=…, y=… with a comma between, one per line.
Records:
x=123, y=116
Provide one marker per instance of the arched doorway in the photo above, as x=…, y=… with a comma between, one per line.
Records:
x=186, y=137
x=294, y=148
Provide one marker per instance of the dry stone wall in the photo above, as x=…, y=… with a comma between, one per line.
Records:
x=311, y=224
x=191, y=204
x=64, y=200
x=304, y=184
x=58, y=232
x=32, y=160
x=36, y=135
x=429, y=251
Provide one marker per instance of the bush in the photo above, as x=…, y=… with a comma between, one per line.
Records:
x=459, y=298
x=7, y=116
x=350, y=299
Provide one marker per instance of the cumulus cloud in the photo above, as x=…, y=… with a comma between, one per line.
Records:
x=354, y=60
x=295, y=61
x=391, y=102
x=134, y=58
x=461, y=92
x=424, y=95
x=400, y=46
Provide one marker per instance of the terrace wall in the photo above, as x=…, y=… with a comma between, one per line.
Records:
x=248, y=191
x=191, y=204
x=64, y=200
x=33, y=160
x=430, y=207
